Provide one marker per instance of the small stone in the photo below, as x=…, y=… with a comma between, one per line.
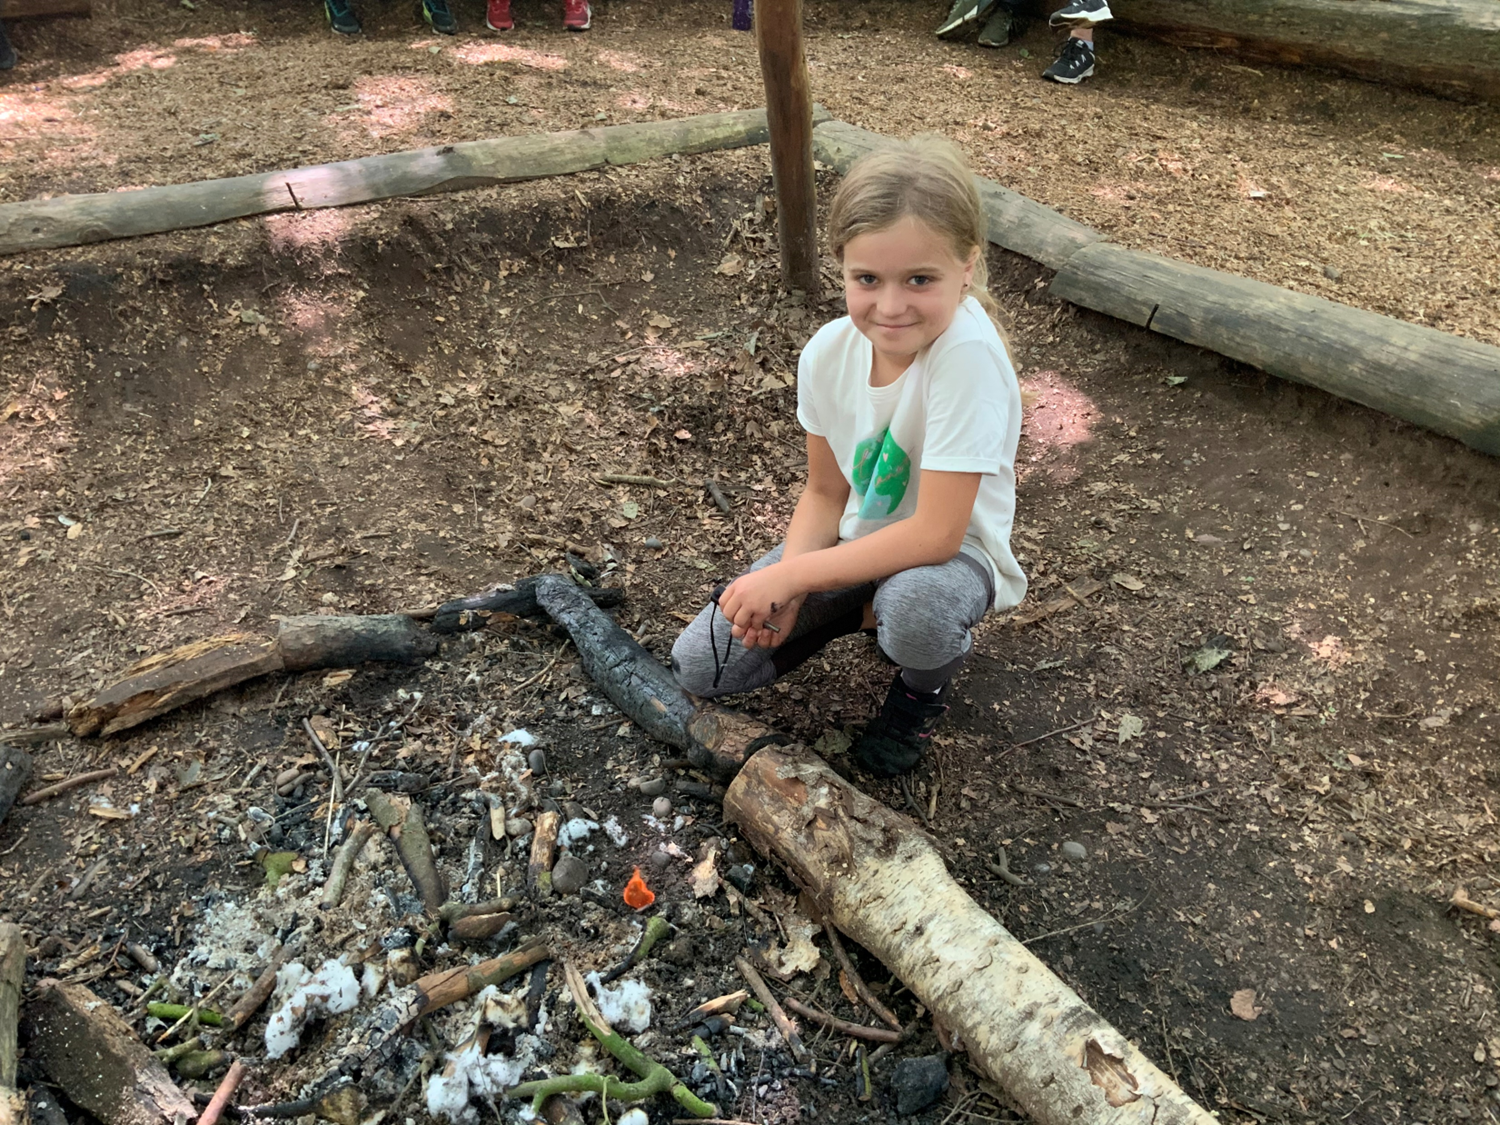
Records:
x=537, y=759
x=557, y=787
x=569, y=874
x=1075, y=851
x=919, y=1082
x=660, y=860
x=653, y=543
x=1042, y=869
x=661, y=808
x=518, y=828
x=654, y=788
x=1332, y=273
x=741, y=875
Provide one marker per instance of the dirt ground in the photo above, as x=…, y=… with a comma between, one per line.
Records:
x=1273, y=731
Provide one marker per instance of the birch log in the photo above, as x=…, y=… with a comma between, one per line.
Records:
x=878, y=878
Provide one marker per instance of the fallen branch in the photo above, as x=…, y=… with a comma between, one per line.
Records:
x=438, y=990
x=882, y=881
x=343, y=863
x=463, y=615
x=401, y=819
x=857, y=982
x=654, y=1078
x=12, y=981
x=785, y=1026
x=227, y=1086
x=1462, y=901
x=39, y=795
x=543, y=853
x=843, y=1027
x=259, y=992
x=656, y=929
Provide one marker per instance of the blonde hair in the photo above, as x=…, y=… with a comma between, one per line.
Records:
x=926, y=178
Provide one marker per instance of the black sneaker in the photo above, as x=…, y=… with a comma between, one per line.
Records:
x=1082, y=13
x=894, y=741
x=964, y=15
x=341, y=17
x=8, y=57
x=1001, y=28
x=439, y=17
x=1075, y=62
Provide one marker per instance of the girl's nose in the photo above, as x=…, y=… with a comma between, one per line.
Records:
x=890, y=301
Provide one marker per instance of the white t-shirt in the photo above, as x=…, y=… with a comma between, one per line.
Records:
x=956, y=409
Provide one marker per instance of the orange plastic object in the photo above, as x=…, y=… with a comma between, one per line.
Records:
x=637, y=894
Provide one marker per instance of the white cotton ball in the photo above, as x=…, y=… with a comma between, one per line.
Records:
x=339, y=987
x=574, y=830
x=448, y=1096
x=332, y=990
x=616, y=833
x=628, y=1007
x=519, y=737
x=636, y=1116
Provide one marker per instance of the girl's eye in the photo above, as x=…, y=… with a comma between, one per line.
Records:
x=865, y=279
x=920, y=280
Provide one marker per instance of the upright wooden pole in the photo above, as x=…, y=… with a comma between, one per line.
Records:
x=783, y=66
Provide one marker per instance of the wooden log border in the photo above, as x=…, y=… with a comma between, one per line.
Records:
x=75, y=220
x=1434, y=379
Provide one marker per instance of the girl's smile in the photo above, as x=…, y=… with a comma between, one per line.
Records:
x=903, y=284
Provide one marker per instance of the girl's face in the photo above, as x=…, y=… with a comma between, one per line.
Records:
x=903, y=285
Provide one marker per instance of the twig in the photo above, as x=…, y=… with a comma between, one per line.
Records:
x=857, y=982
x=1051, y=733
x=297, y=203
x=843, y=1027
x=778, y=1016
x=61, y=787
x=194, y=1013
x=1126, y=909
x=259, y=992
x=333, y=769
x=1462, y=901
x=115, y=572
x=720, y=500
x=526, y=683
x=227, y=1087
x=631, y=478
x=296, y=523
x=1001, y=867
x=656, y=929
x=905, y=787
x=1042, y=794
x=343, y=863
x=1383, y=521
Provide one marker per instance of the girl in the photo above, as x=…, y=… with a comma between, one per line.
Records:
x=912, y=412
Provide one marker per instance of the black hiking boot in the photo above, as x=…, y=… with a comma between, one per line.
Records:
x=341, y=17
x=1075, y=62
x=895, y=740
x=964, y=17
x=1082, y=13
x=1002, y=27
x=439, y=17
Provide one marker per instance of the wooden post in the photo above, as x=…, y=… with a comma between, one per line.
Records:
x=783, y=66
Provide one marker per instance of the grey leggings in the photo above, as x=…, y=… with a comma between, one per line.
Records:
x=923, y=620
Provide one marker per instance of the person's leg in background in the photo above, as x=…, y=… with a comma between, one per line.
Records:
x=1075, y=61
x=8, y=57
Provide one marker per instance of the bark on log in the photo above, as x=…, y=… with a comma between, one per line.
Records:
x=783, y=67
x=1447, y=47
x=15, y=771
x=166, y=681
x=878, y=877
x=12, y=980
x=92, y=1054
x=1015, y=222
x=317, y=641
x=22, y=9
x=462, y=615
x=716, y=741
x=1443, y=382
x=543, y=854
x=72, y=220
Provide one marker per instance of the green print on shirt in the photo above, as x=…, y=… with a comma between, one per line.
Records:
x=881, y=473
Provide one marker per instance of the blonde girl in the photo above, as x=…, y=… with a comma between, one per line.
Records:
x=912, y=413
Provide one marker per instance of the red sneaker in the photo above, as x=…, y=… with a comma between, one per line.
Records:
x=497, y=16
x=576, y=15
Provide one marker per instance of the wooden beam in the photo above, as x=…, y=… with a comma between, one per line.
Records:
x=1443, y=382
x=21, y=9
x=1446, y=47
x=73, y=220
x=789, y=110
x=878, y=878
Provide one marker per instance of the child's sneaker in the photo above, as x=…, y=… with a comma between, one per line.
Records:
x=894, y=741
x=341, y=17
x=1082, y=13
x=965, y=15
x=1001, y=28
x=497, y=15
x=1074, y=63
x=439, y=17
x=576, y=15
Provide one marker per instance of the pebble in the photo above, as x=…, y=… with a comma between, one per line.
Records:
x=1332, y=273
x=557, y=787
x=653, y=788
x=1073, y=850
x=919, y=1082
x=661, y=808
x=1042, y=868
x=634, y=1116
x=653, y=543
x=660, y=860
x=569, y=874
x=537, y=759
x=741, y=876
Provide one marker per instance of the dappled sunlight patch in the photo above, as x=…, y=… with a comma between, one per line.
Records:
x=1058, y=418
x=1173, y=163
x=482, y=53
x=634, y=100
x=371, y=411
x=1387, y=184
x=236, y=41
x=959, y=72
x=149, y=57
x=304, y=230
x=394, y=105
x=36, y=427
x=623, y=61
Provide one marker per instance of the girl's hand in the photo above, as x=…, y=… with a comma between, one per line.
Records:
x=761, y=596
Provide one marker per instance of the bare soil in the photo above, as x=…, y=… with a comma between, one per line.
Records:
x=379, y=408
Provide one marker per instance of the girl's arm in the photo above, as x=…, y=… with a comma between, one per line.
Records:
x=815, y=522
x=930, y=536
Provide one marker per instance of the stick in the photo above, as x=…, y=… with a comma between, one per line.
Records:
x=843, y=1027
x=717, y=494
x=1051, y=733
x=438, y=990
x=12, y=980
x=333, y=769
x=543, y=852
x=630, y=478
x=785, y=1026
x=789, y=113
x=343, y=864
x=39, y=795
x=402, y=821
x=259, y=992
x=227, y=1086
x=1462, y=901
x=861, y=989
x=656, y=929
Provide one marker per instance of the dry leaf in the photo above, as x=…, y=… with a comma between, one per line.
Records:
x=1242, y=1004
x=1127, y=581
x=660, y=320
x=731, y=265
x=848, y=989
x=705, y=876
x=327, y=733
x=683, y=435
x=334, y=679
x=800, y=954
x=75, y=531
